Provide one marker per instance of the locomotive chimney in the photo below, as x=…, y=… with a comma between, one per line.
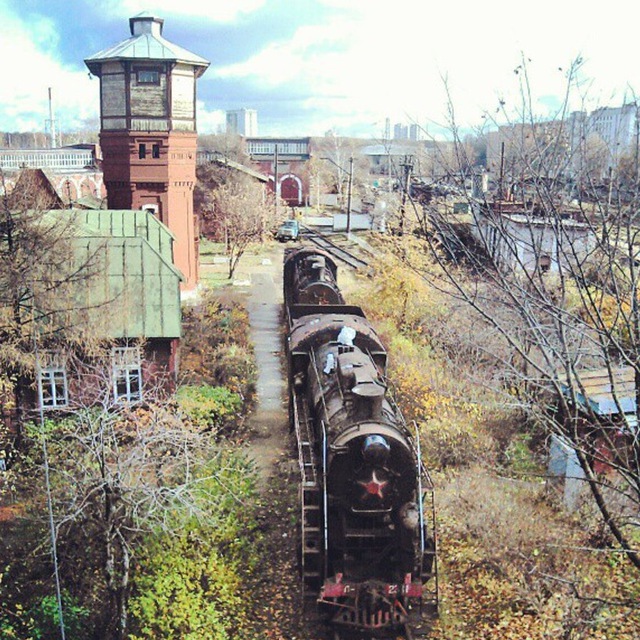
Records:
x=360, y=384
x=369, y=397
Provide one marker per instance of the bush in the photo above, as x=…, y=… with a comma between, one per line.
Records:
x=187, y=590
x=236, y=369
x=208, y=408
x=188, y=583
x=216, y=347
x=46, y=618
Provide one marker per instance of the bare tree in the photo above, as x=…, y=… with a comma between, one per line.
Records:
x=340, y=157
x=552, y=274
x=239, y=211
x=117, y=473
x=227, y=145
x=41, y=274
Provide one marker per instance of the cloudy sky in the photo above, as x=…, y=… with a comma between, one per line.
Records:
x=308, y=66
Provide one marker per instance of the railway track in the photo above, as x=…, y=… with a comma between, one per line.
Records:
x=400, y=634
x=321, y=240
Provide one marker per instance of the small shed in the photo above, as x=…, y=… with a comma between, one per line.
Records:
x=130, y=299
x=608, y=393
x=610, y=396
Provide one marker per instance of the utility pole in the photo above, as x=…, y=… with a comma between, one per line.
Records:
x=275, y=175
x=636, y=145
x=349, y=198
x=52, y=124
x=407, y=167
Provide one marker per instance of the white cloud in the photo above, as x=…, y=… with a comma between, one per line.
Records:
x=214, y=10
x=209, y=121
x=406, y=59
x=369, y=60
x=33, y=69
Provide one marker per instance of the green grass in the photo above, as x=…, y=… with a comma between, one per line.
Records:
x=215, y=280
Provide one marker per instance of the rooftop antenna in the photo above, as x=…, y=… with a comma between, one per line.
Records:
x=51, y=124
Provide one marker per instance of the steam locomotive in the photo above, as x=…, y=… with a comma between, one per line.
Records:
x=367, y=518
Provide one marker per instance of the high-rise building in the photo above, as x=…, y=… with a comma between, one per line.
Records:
x=400, y=131
x=243, y=122
x=416, y=132
x=148, y=131
x=617, y=127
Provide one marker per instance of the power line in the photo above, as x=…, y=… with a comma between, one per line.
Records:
x=52, y=528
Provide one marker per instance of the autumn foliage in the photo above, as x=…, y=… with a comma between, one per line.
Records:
x=512, y=563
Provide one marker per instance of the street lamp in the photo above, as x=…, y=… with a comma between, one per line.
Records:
x=349, y=184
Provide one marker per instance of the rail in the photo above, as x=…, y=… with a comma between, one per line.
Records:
x=426, y=488
x=322, y=241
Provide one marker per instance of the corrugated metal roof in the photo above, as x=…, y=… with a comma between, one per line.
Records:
x=205, y=157
x=599, y=388
x=90, y=202
x=129, y=223
x=145, y=43
x=136, y=292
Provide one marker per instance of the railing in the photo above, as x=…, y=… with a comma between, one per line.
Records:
x=14, y=160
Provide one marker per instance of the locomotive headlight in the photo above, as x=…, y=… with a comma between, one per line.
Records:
x=375, y=450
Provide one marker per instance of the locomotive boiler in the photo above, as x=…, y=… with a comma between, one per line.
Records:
x=367, y=549
x=310, y=277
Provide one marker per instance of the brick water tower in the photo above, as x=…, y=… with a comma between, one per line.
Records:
x=148, y=131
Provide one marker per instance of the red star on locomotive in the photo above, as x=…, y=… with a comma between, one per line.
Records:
x=373, y=487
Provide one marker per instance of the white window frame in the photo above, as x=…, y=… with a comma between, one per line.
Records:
x=53, y=389
x=127, y=374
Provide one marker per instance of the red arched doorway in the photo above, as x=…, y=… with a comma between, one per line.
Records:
x=291, y=190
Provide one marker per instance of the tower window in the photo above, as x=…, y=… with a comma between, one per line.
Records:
x=142, y=151
x=155, y=151
x=148, y=76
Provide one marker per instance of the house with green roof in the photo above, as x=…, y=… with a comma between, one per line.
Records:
x=131, y=301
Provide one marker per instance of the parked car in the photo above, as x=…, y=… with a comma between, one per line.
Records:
x=289, y=230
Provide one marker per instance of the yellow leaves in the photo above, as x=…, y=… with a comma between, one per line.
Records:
x=604, y=311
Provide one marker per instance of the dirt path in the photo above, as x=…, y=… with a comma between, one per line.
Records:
x=269, y=422
x=277, y=610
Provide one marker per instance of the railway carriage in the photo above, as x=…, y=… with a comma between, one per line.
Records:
x=367, y=517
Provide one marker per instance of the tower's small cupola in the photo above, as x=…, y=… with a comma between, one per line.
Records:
x=146, y=23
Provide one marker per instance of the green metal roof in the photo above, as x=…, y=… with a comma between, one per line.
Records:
x=136, y=289
x=127, y=223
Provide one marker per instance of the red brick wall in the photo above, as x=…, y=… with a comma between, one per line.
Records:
x=165, y=182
